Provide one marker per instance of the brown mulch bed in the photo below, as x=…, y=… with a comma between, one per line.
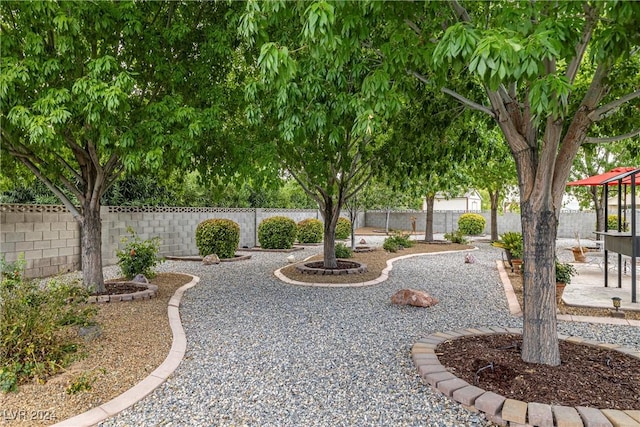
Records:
x=587, y=376
x=375, y=260
x=135, y=340
x=119, y=288
x=516, y=283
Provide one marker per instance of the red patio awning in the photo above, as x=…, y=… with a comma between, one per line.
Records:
x=603, y=177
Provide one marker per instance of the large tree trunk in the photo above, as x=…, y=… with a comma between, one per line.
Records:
x=428, y=228
x=540, y=340
x=494, y=197
x=91, y=238
x=330, y=214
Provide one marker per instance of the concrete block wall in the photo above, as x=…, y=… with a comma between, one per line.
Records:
x=571, y=222
x=48, y=236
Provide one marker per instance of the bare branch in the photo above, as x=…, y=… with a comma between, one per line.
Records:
x=461, y=12
x=574, y=65
x=469, y=102
x=593, y=140
x=413, y=26
x=601, y=113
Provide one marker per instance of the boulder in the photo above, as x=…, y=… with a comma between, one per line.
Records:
x=469, y=259
x=140, y=279
x=291, y=258
x=363, y=242
x=413, y=297
x=211, y=259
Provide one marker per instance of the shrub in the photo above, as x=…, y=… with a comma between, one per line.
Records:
x=456, y=237
x=390, y=245
x=138, y=256
x=343, y=228
x=310, y=230
x=218, y=236
x=401, y=239
x=342, y=251
x=471, y=224
x=511, y=241
x=277, y=232
x=35, y=323
x=612, y=223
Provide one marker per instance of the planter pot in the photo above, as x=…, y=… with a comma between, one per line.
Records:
x=559, y=290
x=516, y=265
x=578, y=255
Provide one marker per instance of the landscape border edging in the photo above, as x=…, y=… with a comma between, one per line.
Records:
x=153, y=380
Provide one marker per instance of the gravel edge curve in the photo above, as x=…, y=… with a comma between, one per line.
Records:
x=153, y=380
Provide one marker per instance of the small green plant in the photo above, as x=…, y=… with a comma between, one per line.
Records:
x=471, y=224
x=36, y=339
x=277, y=232
x=564, y=272
x=343, y=228
x=138, y=256
x=310, y=230
x=456, y=237
x=342, y=251
x=401, y=239
x=511, y=241
x=612, y=223
x=218, y=236
x=390, y=245
x=84, y=382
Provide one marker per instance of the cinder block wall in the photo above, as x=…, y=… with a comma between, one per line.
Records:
x=48, y=236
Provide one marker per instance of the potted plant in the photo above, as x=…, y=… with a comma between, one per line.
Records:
x=564, y=273
x=511, y=242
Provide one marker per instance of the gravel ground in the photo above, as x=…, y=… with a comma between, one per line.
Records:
x=264, y=353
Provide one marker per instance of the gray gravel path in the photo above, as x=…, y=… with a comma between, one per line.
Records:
x=264, y=353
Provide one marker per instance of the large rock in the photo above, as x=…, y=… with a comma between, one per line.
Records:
x=413, y=297
x=211, y=259
x=140, y=278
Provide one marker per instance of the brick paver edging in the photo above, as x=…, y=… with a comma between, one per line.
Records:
x=147, y=291
x=151, y=382
x=384, y=274
x=501, y=410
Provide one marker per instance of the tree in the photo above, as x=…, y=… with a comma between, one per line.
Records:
x=494, y=169
x=325, y=95
x=89, y=90
x=528, y=56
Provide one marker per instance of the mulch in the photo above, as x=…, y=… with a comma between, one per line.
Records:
x=587, y=376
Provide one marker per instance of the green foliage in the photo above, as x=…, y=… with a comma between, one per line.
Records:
x=400, y=239
x=612, y=223
x=343, y=228
x=84, y=382
x=218, y=236
x=343, y=251
x=390, y=245
x=471, y=224
x=310, y=230
x=564, y=272
x=138, y=256
x=456, y=237
x=512, y=242
x=277, y=232
x=35, y=336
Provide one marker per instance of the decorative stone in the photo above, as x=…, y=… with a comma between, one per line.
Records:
x=413, y=297
x=211, y=259
x=469, y=259
x=91, y=332
x=363, y=242
x=291, y=258
x=140, y=279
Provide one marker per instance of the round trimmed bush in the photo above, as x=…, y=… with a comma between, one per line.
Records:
x=277, y=232
x=343, y=251
x=218, y=236
x=310, y=230
x=343, y=228
x=471, y=224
